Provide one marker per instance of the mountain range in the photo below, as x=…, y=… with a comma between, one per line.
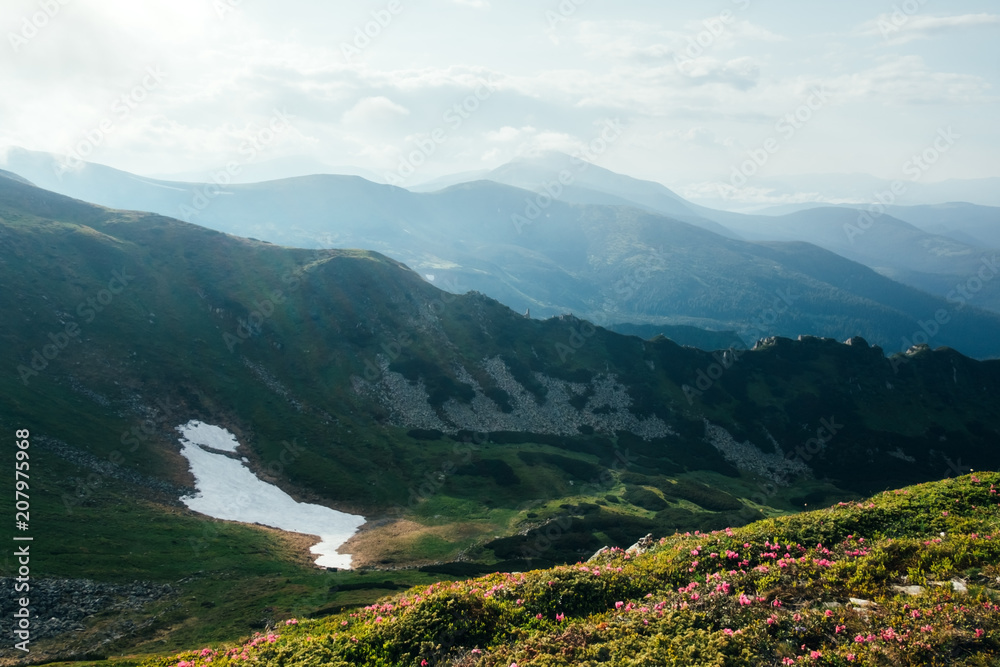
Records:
x=466, y=433
x=654, y=260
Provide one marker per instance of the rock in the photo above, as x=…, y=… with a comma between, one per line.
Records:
x=858, y=602
x=957, y=585
x=909, y=590
x=643, y=545
x=67, y=605
x=600, y=552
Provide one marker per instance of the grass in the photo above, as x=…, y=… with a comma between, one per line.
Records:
x=775, y=592
x=152, y=345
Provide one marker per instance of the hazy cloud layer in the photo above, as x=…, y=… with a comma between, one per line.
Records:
x=477, y=83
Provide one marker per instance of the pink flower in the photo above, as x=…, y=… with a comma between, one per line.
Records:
x=815, y=655
x=979, y=632
x=619, y=604
x=776, y=603
x=424, y=663
x=560, y=617
x=538, y=616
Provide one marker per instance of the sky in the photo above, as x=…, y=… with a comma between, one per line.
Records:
x=713, y=94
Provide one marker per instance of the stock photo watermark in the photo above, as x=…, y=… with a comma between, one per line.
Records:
x=224, y=8
x=31, y=26
x=22, y=519
x=915, y=167
x=891, y=24
x=786, y=127
x=553, y=190
x=88, y=310
x=365, y=35
x=699, y=43
x=264, y=309
x=393, y=350
x=123, y=106
x=426, y=145
x=961, y=296
x=563, y=12
x=706, y=378
x=278, y=123
x=802, y=454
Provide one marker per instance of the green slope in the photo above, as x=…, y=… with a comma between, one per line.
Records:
x=823, y=588
x=463, y=430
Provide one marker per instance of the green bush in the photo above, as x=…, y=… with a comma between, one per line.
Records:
x=773, y=592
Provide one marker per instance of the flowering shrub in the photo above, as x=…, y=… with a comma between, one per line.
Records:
x=830, y=587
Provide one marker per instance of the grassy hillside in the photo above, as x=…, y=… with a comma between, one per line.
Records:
x=907, y=577
x=466, y=433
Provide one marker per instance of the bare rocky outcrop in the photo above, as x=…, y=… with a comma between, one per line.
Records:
x=607, y=408
x=71, y=618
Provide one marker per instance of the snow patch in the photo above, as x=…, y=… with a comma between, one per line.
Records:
x=226, y=489
x=207, y=435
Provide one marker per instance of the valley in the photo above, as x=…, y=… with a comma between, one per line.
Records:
x=469, y=437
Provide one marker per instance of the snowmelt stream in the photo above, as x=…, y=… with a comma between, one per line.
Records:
x=226, y=489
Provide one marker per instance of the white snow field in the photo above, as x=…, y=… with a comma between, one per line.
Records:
x=226, y=489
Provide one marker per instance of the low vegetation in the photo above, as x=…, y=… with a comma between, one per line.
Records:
x=907, y=577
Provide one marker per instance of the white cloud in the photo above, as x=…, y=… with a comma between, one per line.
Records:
x=374, y=109
x=638, y=42
x=507, y=134
x=908, y=80
x=628, y=61
x=751, y=31
x=900, y=29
